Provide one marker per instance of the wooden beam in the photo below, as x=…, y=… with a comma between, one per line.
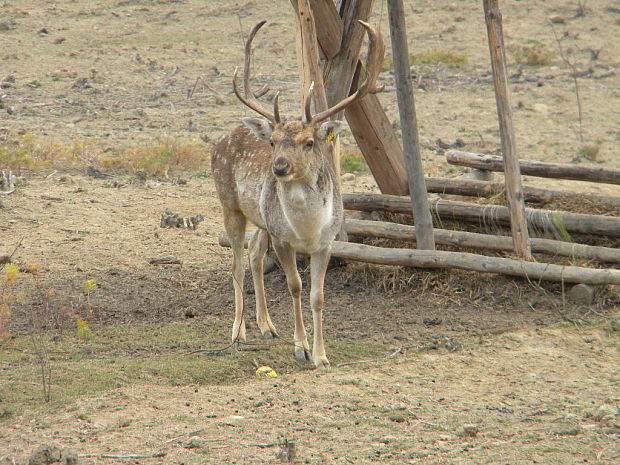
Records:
x=403, y=232
x=544, y=220
x=467, y=261
x=472, y=188
x=328, y=27
x=340, y=69
x=536, y=168
x=514, y=191
x=409, y=125
x=371, y=127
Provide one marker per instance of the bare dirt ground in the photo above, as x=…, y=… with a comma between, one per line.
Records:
x=467, y=368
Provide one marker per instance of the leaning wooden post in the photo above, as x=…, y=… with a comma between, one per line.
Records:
x=409, y=126
x=309, y=60
x=512, y=173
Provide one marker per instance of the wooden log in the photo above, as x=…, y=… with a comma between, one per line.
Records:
x=514, y=191
x=371, y=128
x=544, y=220
x=328, y=27
x=402, y=232
x=487, y=189
x=340, y=69
x=409, y=125
x=467, y=261
x=536, y=168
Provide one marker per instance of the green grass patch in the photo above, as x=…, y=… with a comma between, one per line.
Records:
x=353, y=163
x=589, y=152
x=447, y=57
x=116, y=356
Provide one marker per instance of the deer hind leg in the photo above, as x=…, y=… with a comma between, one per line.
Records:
x=234, y=223
x=286, y=255
x=258, y=248
x=318, y=268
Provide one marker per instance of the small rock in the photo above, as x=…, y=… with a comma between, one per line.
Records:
x=567, y=430
x=348, y=177
x=540, y=108
x=468, y=431
x=49, y=454
x=167, y=260
x=557, y=19
x=60, y=40
x=43, y=31
x=431, y=321
x=582, y=294
x=194, y=443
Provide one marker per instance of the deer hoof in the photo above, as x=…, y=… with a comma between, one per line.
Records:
x=322, y=363
x=303, y=355
x=270, y=334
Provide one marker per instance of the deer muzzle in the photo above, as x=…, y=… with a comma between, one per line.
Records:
x=281, y=167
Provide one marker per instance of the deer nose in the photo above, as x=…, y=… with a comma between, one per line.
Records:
x=281, y=167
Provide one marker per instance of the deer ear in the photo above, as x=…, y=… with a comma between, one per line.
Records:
x=260, y=127
x=329, y=130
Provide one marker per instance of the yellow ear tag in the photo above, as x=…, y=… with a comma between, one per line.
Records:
x=331, y=137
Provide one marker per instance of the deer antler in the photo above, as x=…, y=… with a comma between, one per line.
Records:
x=376, y=51
x=250, y=97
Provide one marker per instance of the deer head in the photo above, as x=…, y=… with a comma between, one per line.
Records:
x=293, y=142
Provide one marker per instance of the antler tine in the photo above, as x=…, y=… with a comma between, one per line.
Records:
x=308, y=104
x=250, y=98
x=376, y=51
x=253, y=104
x=276, y=107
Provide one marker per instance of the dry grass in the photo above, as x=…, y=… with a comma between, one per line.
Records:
x=29, y=153
x=532, y=54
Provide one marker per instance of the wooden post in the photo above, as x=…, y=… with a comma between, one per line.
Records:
x=514, y=193
x=409, y=125
x=369, y=124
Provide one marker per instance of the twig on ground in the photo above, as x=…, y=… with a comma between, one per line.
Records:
x=131, y=456
x=400, y=350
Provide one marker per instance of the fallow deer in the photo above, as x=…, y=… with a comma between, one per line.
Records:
x=278, y=174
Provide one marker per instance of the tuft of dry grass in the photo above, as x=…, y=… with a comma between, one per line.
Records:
x=27, y=152
x=532, y=54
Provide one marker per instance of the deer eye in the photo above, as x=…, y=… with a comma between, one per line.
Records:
x=309, y=144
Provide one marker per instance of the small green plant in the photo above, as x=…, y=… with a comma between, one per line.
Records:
x=534, y=54
x=447, y=57
x=353, y=163
x=83, y=331
x=35, y=84
x=589, y=151
x=11, y=275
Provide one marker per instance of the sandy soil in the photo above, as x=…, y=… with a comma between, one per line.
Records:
x=483, y=350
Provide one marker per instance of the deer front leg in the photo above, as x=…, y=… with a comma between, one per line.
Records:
x=234, y=223
x=258, y=248
x=318, y=268
x=286, y=255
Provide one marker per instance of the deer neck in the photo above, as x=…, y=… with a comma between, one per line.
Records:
x=310, y=209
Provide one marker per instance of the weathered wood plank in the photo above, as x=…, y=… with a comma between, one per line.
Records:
x=536, y=168
x=409, y=126
x=514, y=191
x=472, y=188
x=488, y=214
x=468, y=261
x=386, y=230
